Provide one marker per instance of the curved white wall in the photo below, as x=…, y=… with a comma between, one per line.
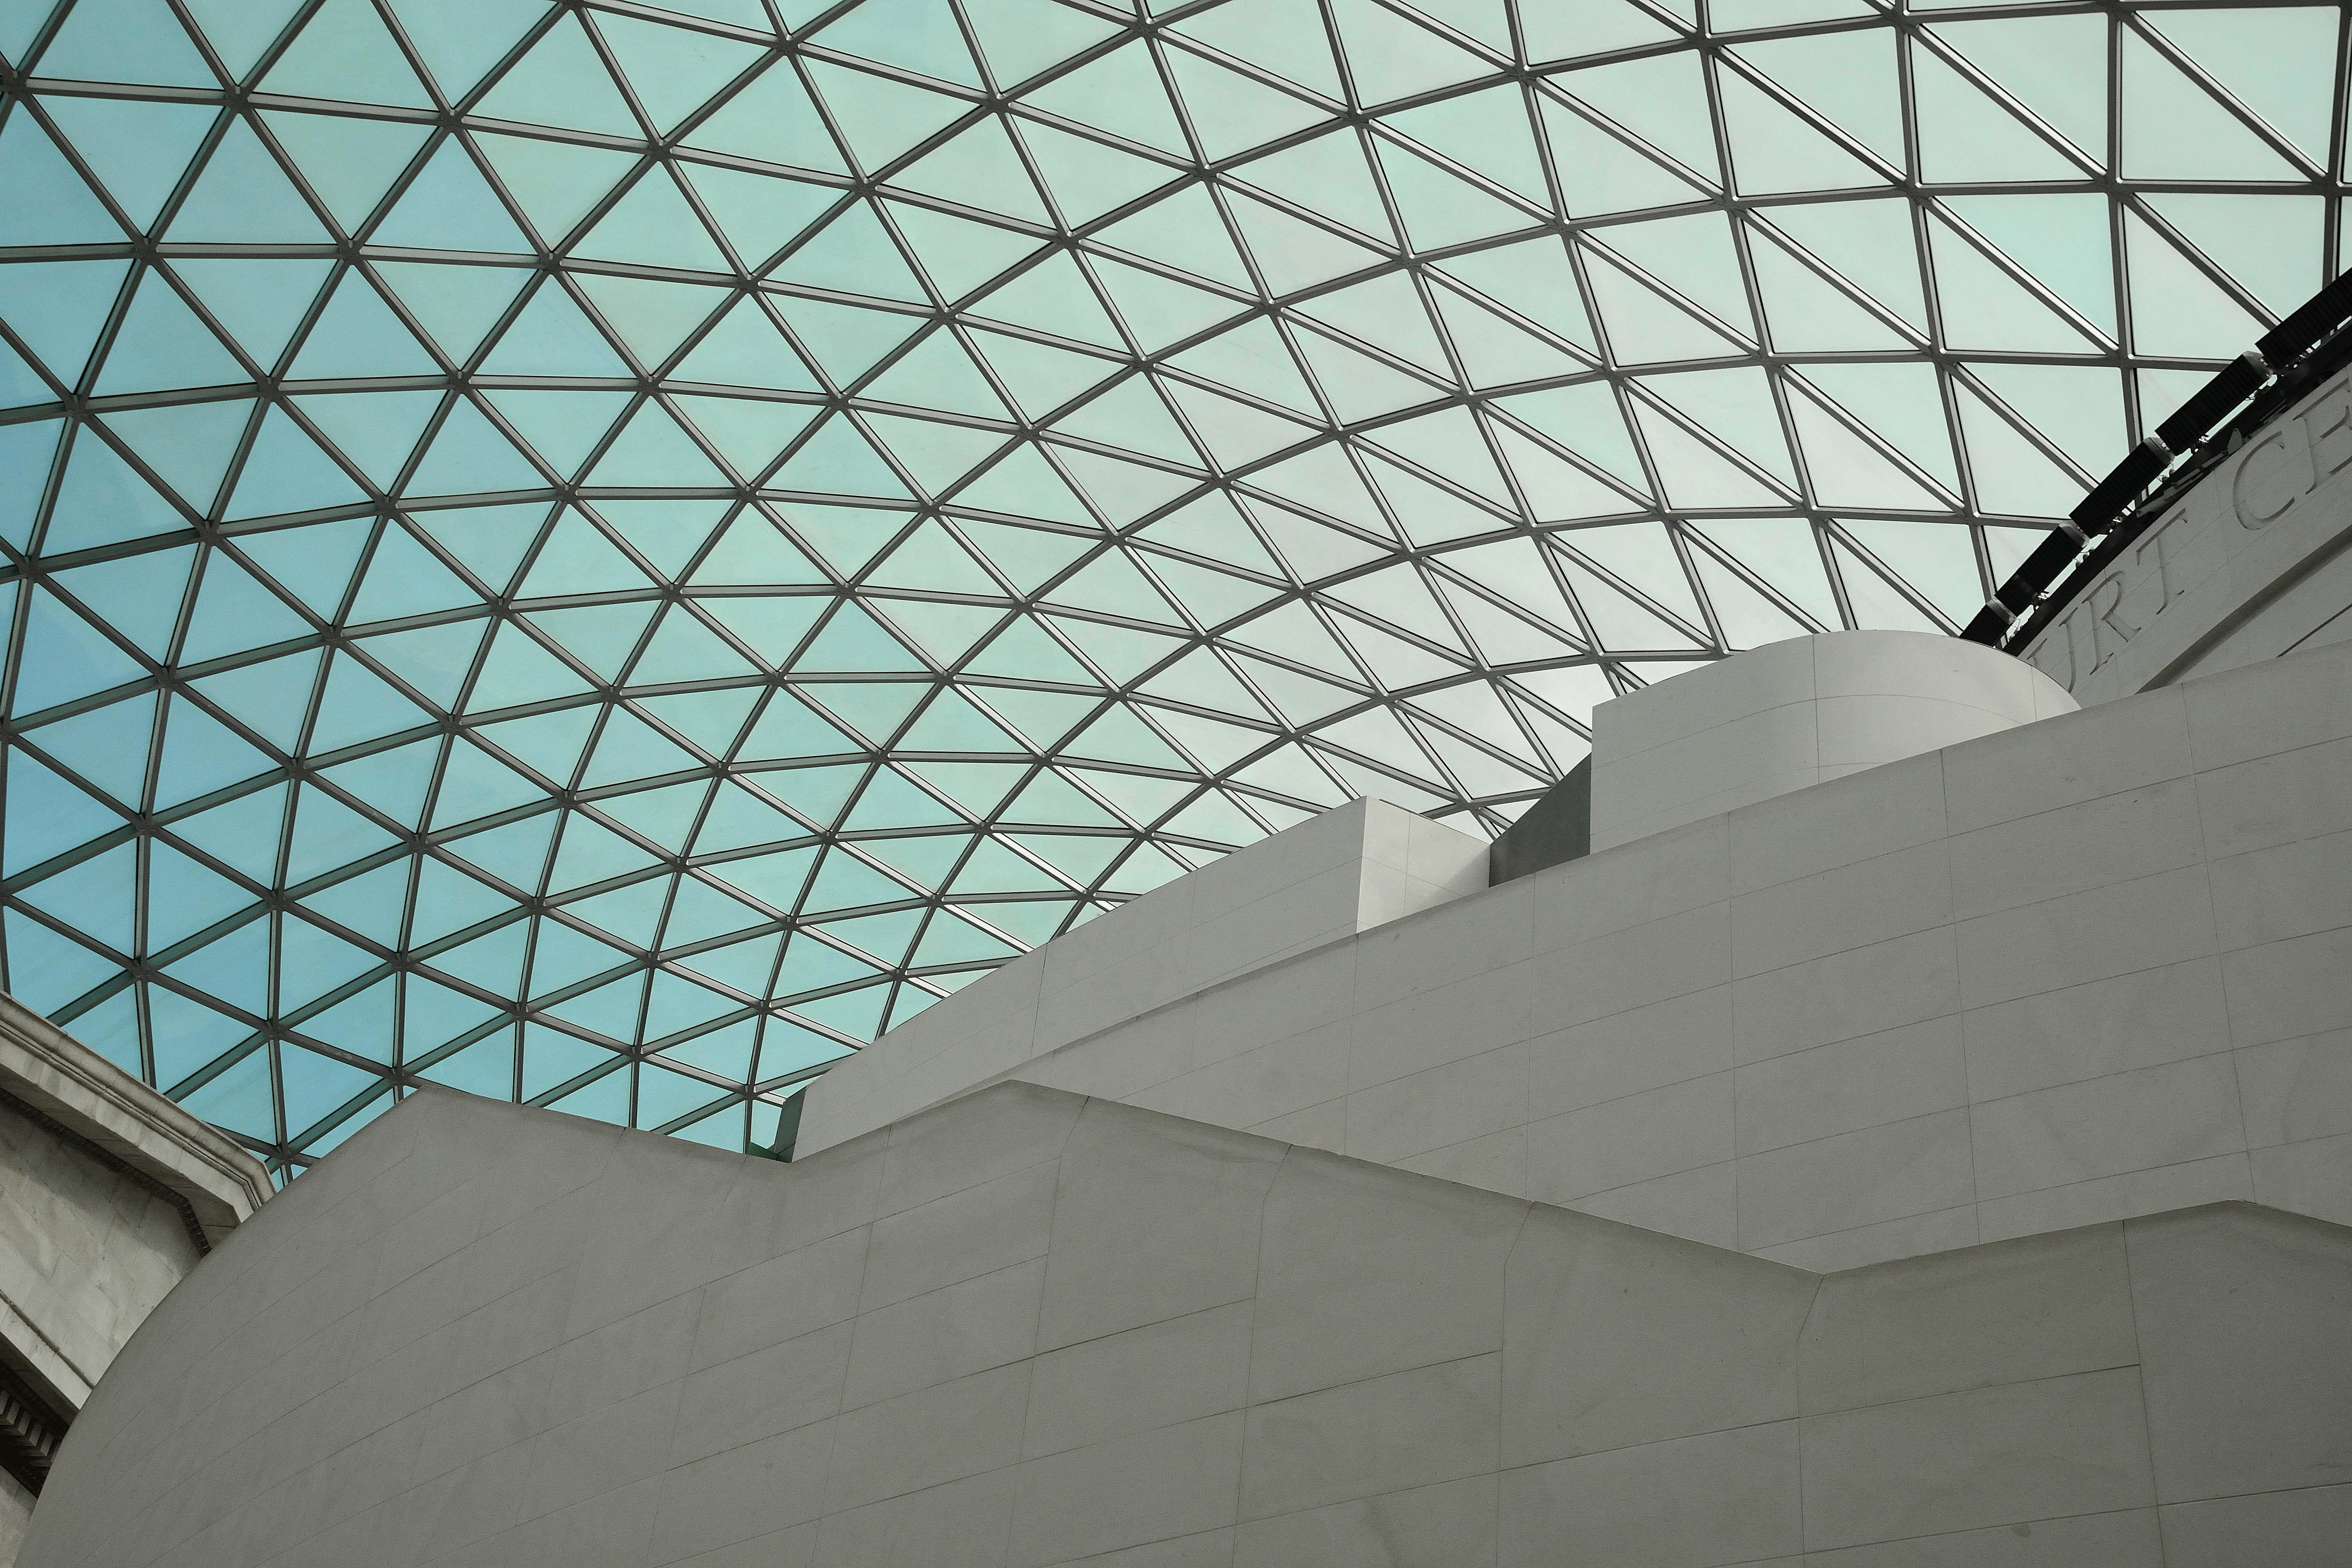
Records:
x=2079, y=969
x=1796, y=713
x=1026, y=1329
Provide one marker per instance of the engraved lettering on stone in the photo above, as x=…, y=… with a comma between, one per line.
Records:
x=2327, y=425
x=2081, y=640
x=2266, y=485
x=2045, y=654
x=2166, y=538
x=2106, y=598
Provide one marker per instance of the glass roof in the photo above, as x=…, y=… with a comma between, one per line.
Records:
x=605, y=553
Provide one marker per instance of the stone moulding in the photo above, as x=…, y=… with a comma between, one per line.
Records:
x=208, y=1175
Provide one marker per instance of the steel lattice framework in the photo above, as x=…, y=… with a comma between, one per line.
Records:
x=601, y=553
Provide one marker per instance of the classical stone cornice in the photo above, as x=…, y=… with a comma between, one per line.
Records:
x=128, y=1124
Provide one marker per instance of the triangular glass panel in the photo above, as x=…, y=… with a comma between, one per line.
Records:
x=881, y=118
x=160, y=343
x=124, y=40
x=1389, y=57
x=489, y=541
x=343, y=52
x=758, y=214
x=1737, y=407
x=406, y=579
x=1292, y=254
x=470, y=456
x=837, y=458
x=1440, y=209
x=1159, y=310
x=1964, y=135
x=2012, y=476
x=1119, y=92
x=852, y=254
x=1804, y=312
x=51, y=204
x=1575, y=27
x=846, y=340
x=1284, y=37
x=359, y=335
x=1022, y=38
x=260, y=300
x=772, y=118
x=233, y=613
x=1848, y=78
x=2272, y=245
x=1661, y=99
x=1493, y=351
x=1841, y=469
x=1087, y=178
x=188, y=444
x=1185, y=230
x=1328, y=176
x=1869, y=242
x=2078, y=407
x=652, y=450
x=376, y=430
x=243, y=197
x=517, y=670
x=2174, y=130
x=137, y=148
x=287, y=472
x=653, y=317
x=552, y=336
x=919, y=35
x=555, y=182
x=935, y=452
x=561, y=81
x=652, y=225
x=673, y=70
x=2055, y=66
x=1901, y=403
x=1232, y=112
x=1692, y=256
x=1053, y=297
x=2176, y=309
x=1388, y=313
x=750, y=433
x=1599, y=172
x=1485, y=132
x=240, y=30
x=2062, y=240
x=59, y=308
x=450, y=208
x=461, y=39
x=1773, y=150
x=1985, y=307
x=562, y=426
x=957, y=255
x=1645, y=327
x=2277, y=60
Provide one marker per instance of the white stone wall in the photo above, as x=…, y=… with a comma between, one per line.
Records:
x=2096, y=966
x=1792, y=714
x=1025, y=1330
x=1362, y=864
x=85, y=1254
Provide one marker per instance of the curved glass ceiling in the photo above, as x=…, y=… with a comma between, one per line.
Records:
x=603, y=553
